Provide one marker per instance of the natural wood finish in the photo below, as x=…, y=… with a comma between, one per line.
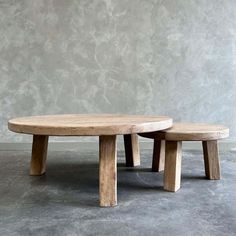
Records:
x=107, y=171
x=190, y=132
x=88, y=125
x=211, y=159
x=158, y=160
x=39, y=155
x=106, y=126
x=172, y=172
x=207, y=133
x=132, y=154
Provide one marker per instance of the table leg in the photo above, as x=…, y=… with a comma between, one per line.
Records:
x=158, y=159
x=172, y=172
x=211, y=159
x=107, y=171
x=39, y=155
x=132, y=154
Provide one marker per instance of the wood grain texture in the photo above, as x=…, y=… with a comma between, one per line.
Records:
x=132, y=154
x=211, y=159
x=207, y=133
x=158, y=159
x=107, y=171
x=39, y=155
x=172, y=172
x=190, y=132
x=88, y=125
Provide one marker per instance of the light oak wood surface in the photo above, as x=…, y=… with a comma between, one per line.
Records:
x=190, y=132
x=107, y=170
x=88, y=125
x=172, y=172
x=173, y=137
x=211, y=159
x=106, y=126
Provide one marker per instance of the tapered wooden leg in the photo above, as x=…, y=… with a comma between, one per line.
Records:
x=172, y=172
x=158, y=159
x=107, y=171
x=211, y=159
x=132, y=153
x=39, y=155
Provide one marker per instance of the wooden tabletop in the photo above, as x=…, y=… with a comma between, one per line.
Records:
x=88, y=124
x=191, y=132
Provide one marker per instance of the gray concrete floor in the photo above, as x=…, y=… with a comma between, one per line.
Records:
x=65, y=200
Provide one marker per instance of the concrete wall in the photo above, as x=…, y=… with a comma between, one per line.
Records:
x=176, y=58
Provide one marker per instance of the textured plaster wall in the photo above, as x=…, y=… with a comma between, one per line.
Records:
x=173, y=57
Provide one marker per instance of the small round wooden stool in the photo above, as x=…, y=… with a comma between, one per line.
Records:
x=167, y=152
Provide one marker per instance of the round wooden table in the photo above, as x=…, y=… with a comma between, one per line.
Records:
x=106, y=126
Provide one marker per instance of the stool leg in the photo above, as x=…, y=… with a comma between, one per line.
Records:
x=39, y=155
x=172, y=172
x=132, y=154
x=107, y=171
x=211, y=159
x=158, y=159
